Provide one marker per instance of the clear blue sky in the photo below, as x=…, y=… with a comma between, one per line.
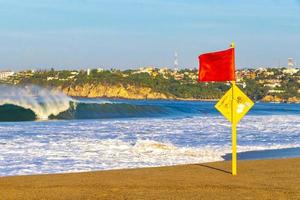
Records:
x=132, y=33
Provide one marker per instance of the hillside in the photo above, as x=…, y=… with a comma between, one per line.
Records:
x=272, y=84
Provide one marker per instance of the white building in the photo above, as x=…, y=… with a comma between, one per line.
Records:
x=276, y=91
x=100, y=70
x=290, y=71
x=148, y=70
x=6, y=74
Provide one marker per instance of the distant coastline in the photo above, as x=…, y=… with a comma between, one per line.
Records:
x=263, y=84
x=267, y=99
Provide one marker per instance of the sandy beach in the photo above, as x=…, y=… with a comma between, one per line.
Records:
x=257, y=179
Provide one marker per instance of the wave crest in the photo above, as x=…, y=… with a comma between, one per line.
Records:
x=43, y=102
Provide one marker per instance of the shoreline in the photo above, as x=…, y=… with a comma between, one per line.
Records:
x=256, y=179
x=251, y=155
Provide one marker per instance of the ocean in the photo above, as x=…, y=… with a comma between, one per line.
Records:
x=44, y=132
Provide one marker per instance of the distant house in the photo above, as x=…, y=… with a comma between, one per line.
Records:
x=50, y=78
x=100, y=70
x=272, y=85
x=276, y=91
x=74, y=72
x=148, y=70
x=178, y=76
x=290, y=71
x=246, y=74
x=5, y=74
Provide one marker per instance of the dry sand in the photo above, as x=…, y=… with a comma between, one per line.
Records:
x=261, y=179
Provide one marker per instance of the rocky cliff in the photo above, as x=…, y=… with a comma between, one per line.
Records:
x=113, y=91
x=136, y=92
x=270, y=98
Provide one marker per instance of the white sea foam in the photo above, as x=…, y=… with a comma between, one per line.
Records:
x=94, y=101
x=85, y=145
x=42, y=102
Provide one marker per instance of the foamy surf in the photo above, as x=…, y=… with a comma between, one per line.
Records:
x=87, y=145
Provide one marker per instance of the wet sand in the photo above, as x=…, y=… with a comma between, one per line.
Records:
x=259, y=179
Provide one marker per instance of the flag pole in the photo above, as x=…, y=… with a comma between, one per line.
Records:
x=234, y=134
x=233, y=128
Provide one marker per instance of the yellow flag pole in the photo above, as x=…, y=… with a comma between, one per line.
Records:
x=234, y=124
x=234, y=135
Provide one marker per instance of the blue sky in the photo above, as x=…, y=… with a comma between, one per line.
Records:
x=131, y=33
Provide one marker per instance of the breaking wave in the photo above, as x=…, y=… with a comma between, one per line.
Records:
x=34, y=103
x=30, y=102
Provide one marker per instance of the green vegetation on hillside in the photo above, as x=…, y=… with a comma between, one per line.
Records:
x=181, y=84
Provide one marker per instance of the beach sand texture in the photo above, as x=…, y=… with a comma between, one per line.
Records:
x=259, y=179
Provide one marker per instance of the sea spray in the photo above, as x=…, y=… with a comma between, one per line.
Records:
x=43, y=102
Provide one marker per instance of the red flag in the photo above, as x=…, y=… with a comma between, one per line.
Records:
x=217, y=66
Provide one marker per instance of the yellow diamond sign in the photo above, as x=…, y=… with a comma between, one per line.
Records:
x=241, y=104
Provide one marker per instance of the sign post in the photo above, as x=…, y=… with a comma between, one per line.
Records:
x=233, y=133
x=233, y=106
